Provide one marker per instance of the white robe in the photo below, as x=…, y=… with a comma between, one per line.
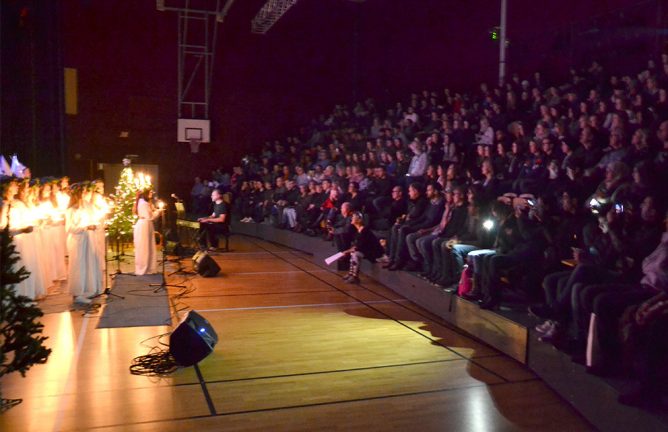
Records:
x=26, y=247
x=84, y=276
x=47, y=236
x=146, y=256
x=63, y=200
x=57, y=238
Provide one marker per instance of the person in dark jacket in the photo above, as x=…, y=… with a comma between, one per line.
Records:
x=429, y=218
x=526, y=251
x=452, y=223
x=569, y=226
x=417, y=204
x=390, y=210
x=355, y=197
x=341, y=229
x=365, y=245
x=453, y=252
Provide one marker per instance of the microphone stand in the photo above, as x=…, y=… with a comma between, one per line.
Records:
x=107, y=288
x=178, y=261
x=162, y=286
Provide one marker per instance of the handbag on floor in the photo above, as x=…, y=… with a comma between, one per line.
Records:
x=465, y=285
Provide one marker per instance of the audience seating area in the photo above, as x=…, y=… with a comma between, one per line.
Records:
x=532, y=216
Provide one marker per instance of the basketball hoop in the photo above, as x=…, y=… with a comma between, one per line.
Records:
x=194, y=145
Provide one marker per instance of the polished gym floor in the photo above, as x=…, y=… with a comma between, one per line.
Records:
x=299, y=350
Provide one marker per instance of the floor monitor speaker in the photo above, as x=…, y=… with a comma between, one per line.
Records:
x=205, y=265
x=192, y=340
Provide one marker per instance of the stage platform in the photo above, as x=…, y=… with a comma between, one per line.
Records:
x=299, y=350
x=509, y=331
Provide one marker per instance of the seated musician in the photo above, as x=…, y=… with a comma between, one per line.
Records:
x=217, y=224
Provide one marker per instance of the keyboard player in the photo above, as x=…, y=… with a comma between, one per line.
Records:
x=212, y=227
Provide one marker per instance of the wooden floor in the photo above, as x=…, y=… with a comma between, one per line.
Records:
x=298, y=350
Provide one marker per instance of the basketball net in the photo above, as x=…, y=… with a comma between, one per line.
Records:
x=194, y=145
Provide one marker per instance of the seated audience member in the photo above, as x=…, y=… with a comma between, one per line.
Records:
x=525, y=253
x=601, y=260
x=418, y=165
x=341, y=228
x=453, y=253
x=615, y=152
x=285, y=205
x=489, y=186
x=534, y=173
x=389, y=209
x=331, y=206
x=304, y=202
x=503, y=222
x=301, y=177
x=515, y=163
x=615, y=176
x=556, y=181
x=569, y=224
x=277, y=196
x=355, y=197
x=650, y=295
x=416, y=206
x=364, y=245
x=425, y=246
x=641, y=186
x=637, y=239
x=588, y=153
x=429, y=218
x=244, y=200
x=380, y=187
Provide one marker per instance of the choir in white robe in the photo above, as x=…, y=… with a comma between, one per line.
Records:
x=63, y=201
x=146, y=257
x=84, y=276
x=26, y=246
x=48, y=240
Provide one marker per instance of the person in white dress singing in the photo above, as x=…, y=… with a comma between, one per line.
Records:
x=83, y=275
x=146, y=257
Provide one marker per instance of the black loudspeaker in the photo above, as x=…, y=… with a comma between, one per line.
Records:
x=192, y=340
x=205, y=265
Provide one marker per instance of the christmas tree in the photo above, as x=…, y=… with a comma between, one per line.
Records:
x=21, y=343
x=122, y=220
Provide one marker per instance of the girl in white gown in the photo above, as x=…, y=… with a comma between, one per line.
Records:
x=62, y=200
x=40, y=222
x=22, y=222
x=146, y=257
x=18, y=232
x=84, y=275
x=47, y=209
